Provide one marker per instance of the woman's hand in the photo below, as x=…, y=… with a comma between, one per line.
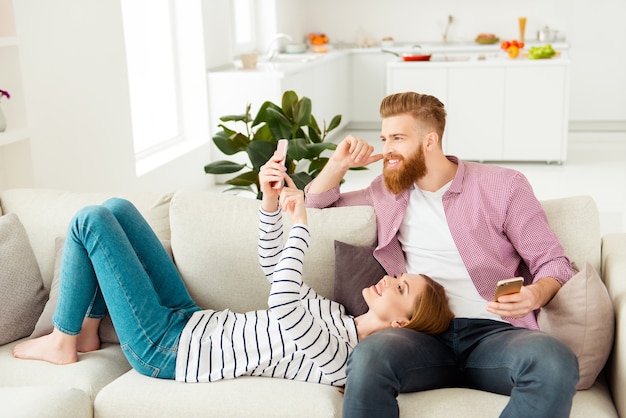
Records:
x=271, y=172
x=292, y=202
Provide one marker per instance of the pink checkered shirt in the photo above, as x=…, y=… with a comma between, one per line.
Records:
x=497, y=223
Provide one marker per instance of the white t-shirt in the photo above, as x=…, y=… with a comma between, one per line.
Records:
x=429, y=249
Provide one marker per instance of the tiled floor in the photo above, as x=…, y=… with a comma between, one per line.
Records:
x=595, y=166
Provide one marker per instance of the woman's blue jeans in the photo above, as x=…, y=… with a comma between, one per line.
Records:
x=537, y=371
x=113, y=260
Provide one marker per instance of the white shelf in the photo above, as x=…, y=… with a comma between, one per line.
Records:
x=13, y=135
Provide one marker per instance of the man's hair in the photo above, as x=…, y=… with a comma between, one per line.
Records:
x=432, y=314
x=427, y=110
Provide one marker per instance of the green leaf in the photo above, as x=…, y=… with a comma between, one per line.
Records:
x=262, y=115
x=235, y=118
x=260, y=152
x=299, y=149
x=314, y=136
x=264, y=133
x=230, y=144
x=301, y=179
x=222, y=167
x=245, y=179
x=290, y=98
x=279, y=124
x=336, y=121
x=302, y=112
x=316, y=165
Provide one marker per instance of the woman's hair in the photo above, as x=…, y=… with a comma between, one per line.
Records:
x=432, y=314
x=427, y=110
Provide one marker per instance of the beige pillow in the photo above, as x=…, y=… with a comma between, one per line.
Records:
x=22, y=294
x=44, y=324
x=581, y=315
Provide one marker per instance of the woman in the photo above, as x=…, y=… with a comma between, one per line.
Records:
x=112, y=255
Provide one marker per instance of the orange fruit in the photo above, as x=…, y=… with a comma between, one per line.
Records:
x=513, y=51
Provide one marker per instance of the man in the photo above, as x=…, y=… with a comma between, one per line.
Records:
x=467, y=226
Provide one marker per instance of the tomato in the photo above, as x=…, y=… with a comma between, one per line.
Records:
x=515, y=43
x=513, y=51
x=521, y=45
x=504, y=45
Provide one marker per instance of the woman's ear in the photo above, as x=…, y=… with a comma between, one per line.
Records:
x=399, y=323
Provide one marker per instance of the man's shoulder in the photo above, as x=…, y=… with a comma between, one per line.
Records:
x=484, y=170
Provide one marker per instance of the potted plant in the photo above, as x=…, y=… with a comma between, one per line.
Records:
x=258, y=138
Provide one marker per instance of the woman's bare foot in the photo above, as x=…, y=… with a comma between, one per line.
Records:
x=56, y=348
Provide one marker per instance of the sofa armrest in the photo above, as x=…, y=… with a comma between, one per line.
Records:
x=614, y=275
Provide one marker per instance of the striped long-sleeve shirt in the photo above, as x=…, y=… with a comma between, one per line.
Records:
x=303, y=336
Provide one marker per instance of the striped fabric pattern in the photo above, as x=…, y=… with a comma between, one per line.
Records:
x=303, y=336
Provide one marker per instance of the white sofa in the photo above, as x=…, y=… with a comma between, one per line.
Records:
x=213, y=240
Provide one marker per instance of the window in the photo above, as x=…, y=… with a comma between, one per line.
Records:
x=166, y=76
x=244, y=25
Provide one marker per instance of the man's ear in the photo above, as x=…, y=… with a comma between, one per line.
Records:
x=432, y=140
x=399, y=323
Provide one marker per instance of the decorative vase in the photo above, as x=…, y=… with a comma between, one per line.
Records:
x=3, y=120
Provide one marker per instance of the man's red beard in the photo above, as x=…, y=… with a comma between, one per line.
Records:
x=409, y=171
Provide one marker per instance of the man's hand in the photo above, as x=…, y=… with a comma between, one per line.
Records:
x=354, y=152
x=530, y=298
x=350, y=153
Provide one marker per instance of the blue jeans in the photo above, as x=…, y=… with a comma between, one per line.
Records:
x=113, y=260
x=536, y=370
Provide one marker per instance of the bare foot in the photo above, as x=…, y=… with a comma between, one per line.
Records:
x=56, y=348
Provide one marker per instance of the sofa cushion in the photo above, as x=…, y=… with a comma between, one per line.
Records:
x=44, y=323
x=136, y=395
x=214, y=242
x=355, y=269
x=50, y=401
x=581, y=316
x=91, y=373
x=576, y=222
x=22, y=294
x=46, y=213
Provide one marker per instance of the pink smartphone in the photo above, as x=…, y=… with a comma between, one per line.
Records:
x=281, y=148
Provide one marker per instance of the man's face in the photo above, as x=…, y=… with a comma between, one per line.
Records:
x=404, y=162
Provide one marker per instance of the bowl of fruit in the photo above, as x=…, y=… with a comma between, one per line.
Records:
x=512, y=47
x=319, y=42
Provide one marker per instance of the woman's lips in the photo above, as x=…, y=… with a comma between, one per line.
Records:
x=376, y=289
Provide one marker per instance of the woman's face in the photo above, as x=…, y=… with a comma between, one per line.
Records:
x=394, y=298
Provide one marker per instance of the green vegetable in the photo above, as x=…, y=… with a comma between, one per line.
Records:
x=539, y=52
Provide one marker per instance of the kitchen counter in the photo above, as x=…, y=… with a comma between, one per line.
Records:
x=442, y=55
x=282, y=63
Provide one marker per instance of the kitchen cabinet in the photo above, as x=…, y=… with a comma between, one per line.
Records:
x=368, y=86
x=323, y=80
x=498, y=109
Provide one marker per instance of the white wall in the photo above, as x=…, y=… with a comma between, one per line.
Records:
x=595, y=31
x=74, y=69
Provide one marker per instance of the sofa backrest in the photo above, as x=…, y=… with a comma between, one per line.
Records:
x=46, y=214
x=576, y=222
x=214, y=242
